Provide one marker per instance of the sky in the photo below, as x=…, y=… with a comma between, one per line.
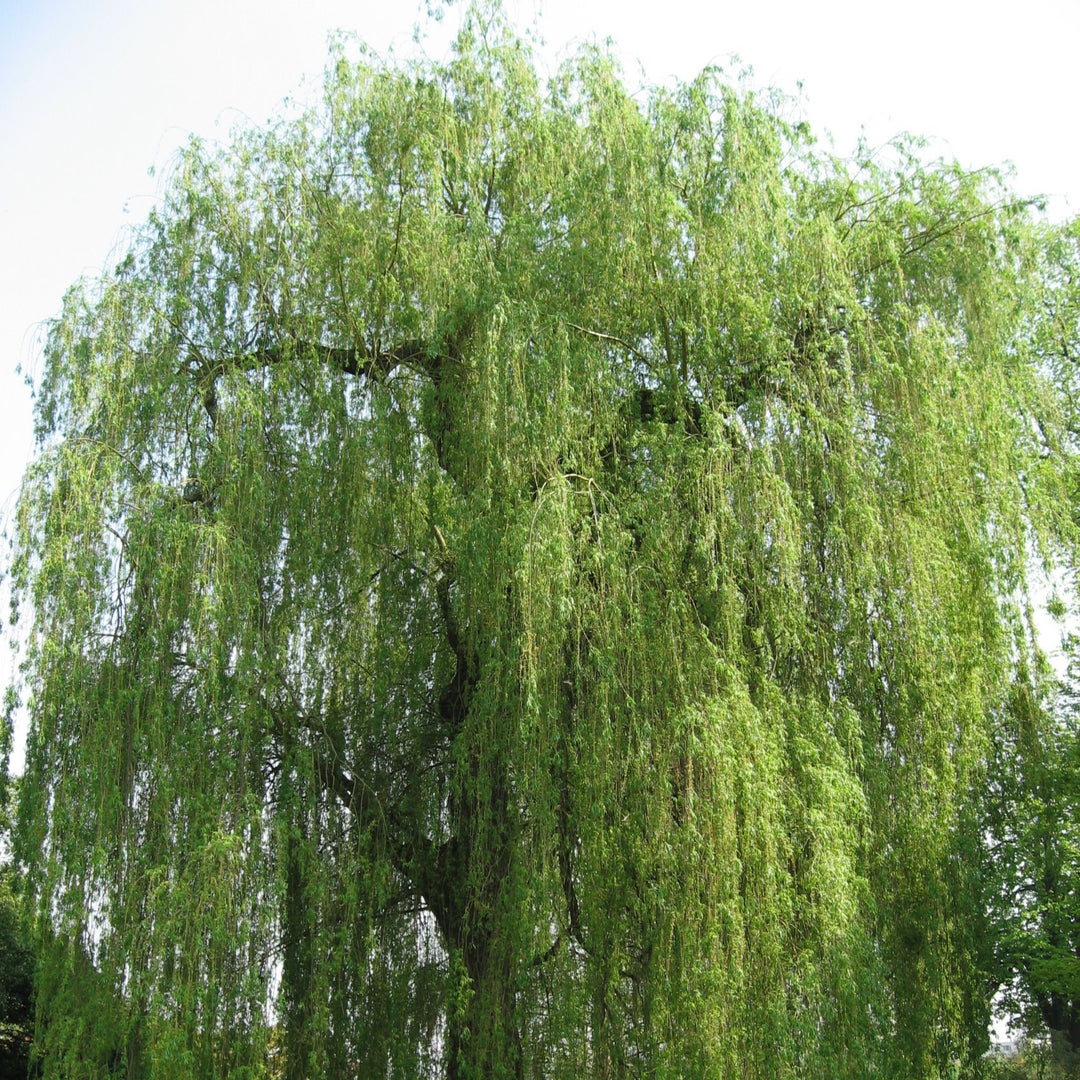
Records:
x=95, y=92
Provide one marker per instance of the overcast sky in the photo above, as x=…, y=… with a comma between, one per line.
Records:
x=93, y=92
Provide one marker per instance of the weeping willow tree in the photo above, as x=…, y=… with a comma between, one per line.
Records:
x=522, y=578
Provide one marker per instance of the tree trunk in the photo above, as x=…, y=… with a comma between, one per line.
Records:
x=483, y=1040
x=297, y=965
x=1062, y=1019
x=467, y=894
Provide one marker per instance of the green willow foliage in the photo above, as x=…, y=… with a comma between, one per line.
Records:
x=522, y=581
x=1032, y=822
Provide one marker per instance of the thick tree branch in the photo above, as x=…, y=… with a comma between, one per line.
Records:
x=372, y=363
x=375, y=364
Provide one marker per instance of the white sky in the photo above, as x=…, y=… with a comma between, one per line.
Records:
x=92, y=92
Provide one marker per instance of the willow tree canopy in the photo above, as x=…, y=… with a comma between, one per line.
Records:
x=522, y=576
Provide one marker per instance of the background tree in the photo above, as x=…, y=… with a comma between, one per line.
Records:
x=1034, y=821
x=521, y=583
